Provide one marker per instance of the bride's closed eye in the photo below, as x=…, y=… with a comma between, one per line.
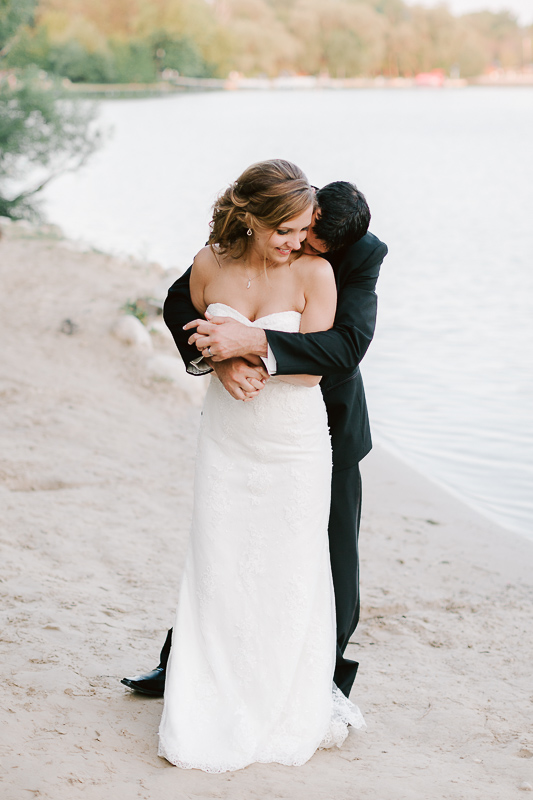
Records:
x=285, y=232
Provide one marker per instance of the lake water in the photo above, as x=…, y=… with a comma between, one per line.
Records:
x=449, y=179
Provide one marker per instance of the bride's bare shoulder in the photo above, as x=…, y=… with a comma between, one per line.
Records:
x=205, y=266
x=204, y=270
x=206, y=258
x=314, y=269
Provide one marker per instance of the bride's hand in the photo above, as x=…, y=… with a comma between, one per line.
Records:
x=240, y=378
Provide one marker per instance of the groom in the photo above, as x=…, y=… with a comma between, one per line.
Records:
x=339, y=234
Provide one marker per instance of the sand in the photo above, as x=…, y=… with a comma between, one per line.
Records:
x=95, y=492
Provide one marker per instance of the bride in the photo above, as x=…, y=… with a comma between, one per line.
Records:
x=250, y=673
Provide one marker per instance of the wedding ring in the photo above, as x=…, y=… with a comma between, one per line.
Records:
x=208, y=351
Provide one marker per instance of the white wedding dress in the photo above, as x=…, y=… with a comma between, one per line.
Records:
x=250, y=673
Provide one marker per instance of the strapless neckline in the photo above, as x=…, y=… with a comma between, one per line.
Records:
x=246, y=319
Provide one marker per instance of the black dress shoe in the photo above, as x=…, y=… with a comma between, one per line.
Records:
x=152, y=684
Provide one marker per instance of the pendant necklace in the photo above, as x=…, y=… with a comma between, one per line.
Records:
x=254, y=277
x=251, y=279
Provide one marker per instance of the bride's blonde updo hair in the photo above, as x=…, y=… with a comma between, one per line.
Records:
x=263, y=197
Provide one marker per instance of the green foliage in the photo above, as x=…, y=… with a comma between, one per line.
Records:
x=28, y=48
x=122, y=41
x=68, y=59
x=12, y=16
x=179, y=53
x=40, y=131
x=133, y=62
x=73, y=61
x=136, y=309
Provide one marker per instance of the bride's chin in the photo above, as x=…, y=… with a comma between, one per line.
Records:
x=281, y=258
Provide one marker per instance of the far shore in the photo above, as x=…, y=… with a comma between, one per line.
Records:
x=96, y=447
x=430, y=80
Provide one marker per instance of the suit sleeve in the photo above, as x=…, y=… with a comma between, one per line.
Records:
x=341, y=349
x=177, y=311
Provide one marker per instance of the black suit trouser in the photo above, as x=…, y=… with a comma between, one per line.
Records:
x=343, y=531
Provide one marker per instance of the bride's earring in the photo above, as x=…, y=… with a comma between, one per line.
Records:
x=249, y=232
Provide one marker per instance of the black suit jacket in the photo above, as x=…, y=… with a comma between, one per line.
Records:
x=335, y=354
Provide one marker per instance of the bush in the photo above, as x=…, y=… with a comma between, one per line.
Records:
x=181, y=54
x=133, y=62
x=39, y=130
x=120, y=62
x=71, y=60
x=30, y=49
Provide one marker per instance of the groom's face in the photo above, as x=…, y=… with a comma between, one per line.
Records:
x=312, y=245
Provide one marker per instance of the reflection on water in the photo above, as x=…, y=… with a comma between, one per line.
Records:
x=448, y=175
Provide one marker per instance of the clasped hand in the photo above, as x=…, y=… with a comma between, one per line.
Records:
x=228, y=344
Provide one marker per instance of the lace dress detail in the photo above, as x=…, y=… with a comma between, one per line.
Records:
x=249, y=677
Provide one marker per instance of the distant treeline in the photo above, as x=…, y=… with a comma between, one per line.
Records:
x=124, y=41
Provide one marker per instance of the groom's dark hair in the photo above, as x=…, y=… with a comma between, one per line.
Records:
x=344, y=215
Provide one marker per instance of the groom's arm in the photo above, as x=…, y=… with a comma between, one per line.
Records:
x=241, y=379
x=340, y=349
x=177, y=311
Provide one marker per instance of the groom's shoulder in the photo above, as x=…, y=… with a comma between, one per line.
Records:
x=368, y=245
x=368, y=250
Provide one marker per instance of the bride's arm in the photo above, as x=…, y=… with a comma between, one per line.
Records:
x=319, y=311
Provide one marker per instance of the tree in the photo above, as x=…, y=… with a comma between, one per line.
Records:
x=343, y=38
x=120, y=41
x=13, y=15
x=42, y=133
x=178, y=53
x=502, y=36
x=259, y=42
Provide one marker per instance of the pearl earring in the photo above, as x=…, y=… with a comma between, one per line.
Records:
x=249, y=232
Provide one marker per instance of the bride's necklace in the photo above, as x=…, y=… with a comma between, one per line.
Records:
x=251, y=279
x=255, y=276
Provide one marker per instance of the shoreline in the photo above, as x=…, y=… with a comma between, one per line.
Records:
x=96, y=486
x=486, y=535
x=477, y=508
x=181, y=84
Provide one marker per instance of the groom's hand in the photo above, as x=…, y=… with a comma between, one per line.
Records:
x=241, y=379
x=226, y=338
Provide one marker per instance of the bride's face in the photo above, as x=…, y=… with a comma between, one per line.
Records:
x=278, y=245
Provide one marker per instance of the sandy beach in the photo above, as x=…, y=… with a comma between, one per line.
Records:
x=96, y=451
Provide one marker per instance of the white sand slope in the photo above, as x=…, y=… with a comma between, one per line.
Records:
x=96, y=456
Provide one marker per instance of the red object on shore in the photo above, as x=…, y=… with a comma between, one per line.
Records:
x=435, y=78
